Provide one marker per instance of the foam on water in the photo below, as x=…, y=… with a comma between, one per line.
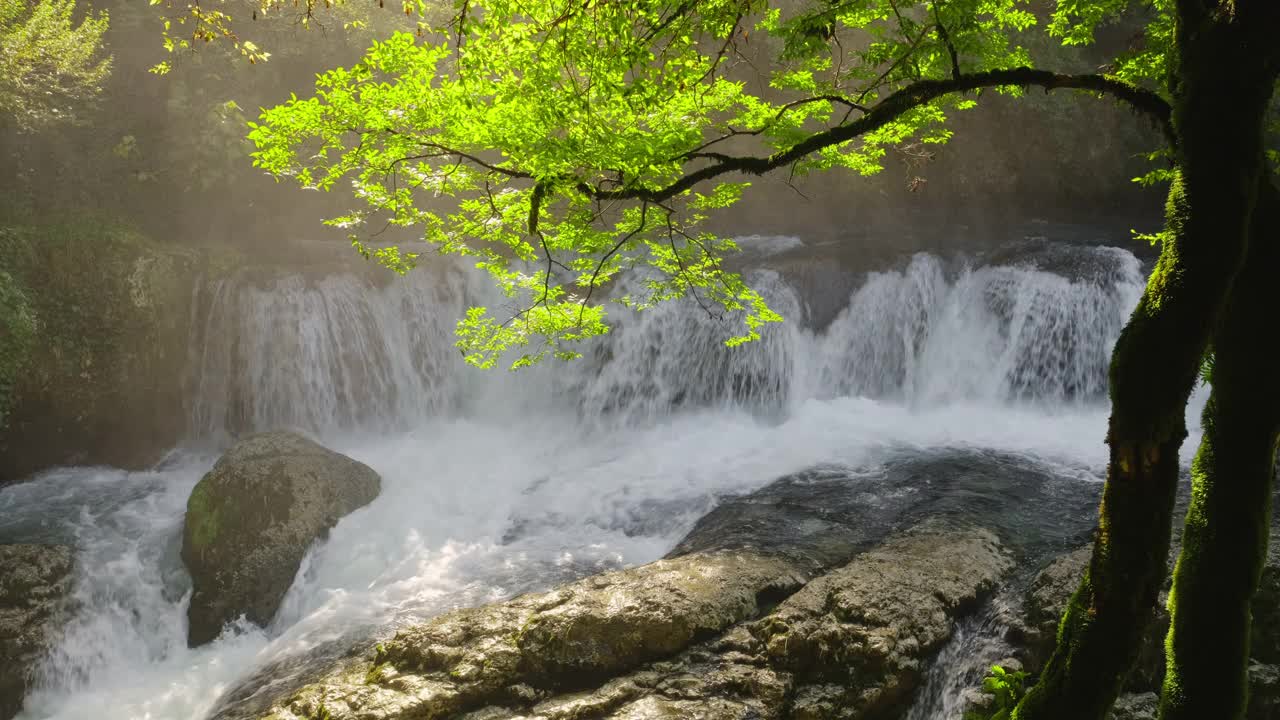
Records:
x=495, y=485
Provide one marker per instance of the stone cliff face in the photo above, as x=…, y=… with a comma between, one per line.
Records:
x=101, y=379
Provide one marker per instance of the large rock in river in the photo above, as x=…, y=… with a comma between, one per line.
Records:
x=719, y=634
x=34, y=585
x=251, y=519
x=516, y=653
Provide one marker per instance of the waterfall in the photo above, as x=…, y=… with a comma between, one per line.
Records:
x=991, y=334
x=341, y=353
x=496, y=483
x=325, y=355
x=673, y=357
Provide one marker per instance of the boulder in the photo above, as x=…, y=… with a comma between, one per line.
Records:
x=35, y=581
x=1136, y=706
x=251, y=519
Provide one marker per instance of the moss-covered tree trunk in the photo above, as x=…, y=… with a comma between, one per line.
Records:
x=1221, y=85
x=1224, y=542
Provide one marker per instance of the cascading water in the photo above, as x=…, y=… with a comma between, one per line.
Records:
x=497, y=483
x=992, y=335
x=326, y=355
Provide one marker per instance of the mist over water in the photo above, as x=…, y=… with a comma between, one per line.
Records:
x=498, y=483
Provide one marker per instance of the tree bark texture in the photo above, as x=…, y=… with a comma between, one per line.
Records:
x=1225, y=540
x=1221, y=84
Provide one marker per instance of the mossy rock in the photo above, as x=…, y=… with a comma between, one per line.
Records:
x=252, y=518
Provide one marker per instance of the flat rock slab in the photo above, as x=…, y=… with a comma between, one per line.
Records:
x=821, y=517
x=683, y=638
x=520, y=651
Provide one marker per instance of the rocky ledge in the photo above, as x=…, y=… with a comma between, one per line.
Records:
x=35, y=582
x=729, y=633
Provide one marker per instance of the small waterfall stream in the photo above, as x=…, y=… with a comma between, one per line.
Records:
x=498, y=483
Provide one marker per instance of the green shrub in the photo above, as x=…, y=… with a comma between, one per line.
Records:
x=1007, y=688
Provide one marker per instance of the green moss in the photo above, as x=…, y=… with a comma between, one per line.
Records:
x=380, y=663
x=1227, y=529
x=202, y=520
x=374, y=676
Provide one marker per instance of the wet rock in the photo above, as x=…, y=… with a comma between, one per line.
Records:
x=822, y=516
x=709, y=635
x=975, y=702
x=1052, y=588
x=34, y=584
x=1265, y=644
x=530, y=651
x=251, y=519
x=816, y=518
x=1264, y=692
x=857, y=639
x=1047, y=600
x=1136, y=706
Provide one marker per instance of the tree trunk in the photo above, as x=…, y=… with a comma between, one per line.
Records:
x=1221, y=87
x=1225, y=540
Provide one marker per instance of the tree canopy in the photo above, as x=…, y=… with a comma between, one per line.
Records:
x=51, y=61
x=576, y=140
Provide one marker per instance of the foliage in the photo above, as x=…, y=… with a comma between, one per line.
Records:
x=559, y=144
x=1007, y=688
x=188, y=25
x=50, y=65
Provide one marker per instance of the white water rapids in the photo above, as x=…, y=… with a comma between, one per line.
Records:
x=497, y=483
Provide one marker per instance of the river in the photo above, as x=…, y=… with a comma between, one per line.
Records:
x=499, y=483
